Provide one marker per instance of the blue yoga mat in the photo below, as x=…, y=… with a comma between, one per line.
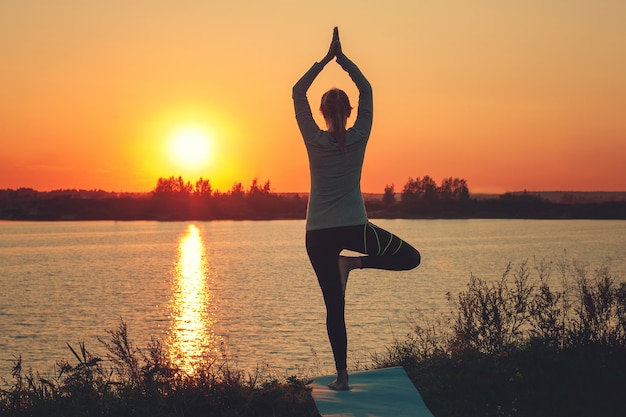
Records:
x=379, y=393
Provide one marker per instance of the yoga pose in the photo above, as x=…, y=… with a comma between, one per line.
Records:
x=336, y=216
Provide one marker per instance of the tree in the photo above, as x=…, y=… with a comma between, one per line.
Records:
x=429, y=188
x=203, y=188
x=390, y=195
x=446, y=189
x=454, y=189
x=237, y=190
x=460, y=189
x=412, y=190
x=256, y=190
x=165, y=186
x=183, y=188
x=173, y=186
x=426, y=189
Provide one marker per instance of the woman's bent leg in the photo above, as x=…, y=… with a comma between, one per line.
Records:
x=384, y=250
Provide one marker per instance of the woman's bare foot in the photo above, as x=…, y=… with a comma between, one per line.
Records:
x=347, y=264
x=341, y=383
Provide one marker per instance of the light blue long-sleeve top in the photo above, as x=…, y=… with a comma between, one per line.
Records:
x=335, y=197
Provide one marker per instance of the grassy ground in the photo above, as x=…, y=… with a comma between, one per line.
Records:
x=530, y=382
x=515, y=347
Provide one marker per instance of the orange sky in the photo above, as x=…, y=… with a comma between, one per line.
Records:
x=508, y=95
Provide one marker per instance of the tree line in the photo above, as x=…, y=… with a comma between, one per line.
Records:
x=179, y=198
x=175, y=198
x=178, y=187
x=426, y=189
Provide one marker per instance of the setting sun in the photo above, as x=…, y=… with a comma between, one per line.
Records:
x=190, y=146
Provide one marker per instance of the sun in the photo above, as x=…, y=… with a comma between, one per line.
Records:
x=190, y=146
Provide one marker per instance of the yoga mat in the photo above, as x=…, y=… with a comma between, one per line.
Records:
x=379, y=393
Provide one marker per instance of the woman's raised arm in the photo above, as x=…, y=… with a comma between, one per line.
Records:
x=304, y=117
x=365, y=112
x=335, y=46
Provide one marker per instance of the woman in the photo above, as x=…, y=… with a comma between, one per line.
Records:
x=336, y=217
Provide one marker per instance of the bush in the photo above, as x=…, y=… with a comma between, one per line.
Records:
x=518, y=346
x=131, y=382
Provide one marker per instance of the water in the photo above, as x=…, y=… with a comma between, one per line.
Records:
x=246, y=289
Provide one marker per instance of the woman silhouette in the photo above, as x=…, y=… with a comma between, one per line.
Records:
x=336, y=216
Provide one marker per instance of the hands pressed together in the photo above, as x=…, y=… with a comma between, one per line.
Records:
x=335, y=48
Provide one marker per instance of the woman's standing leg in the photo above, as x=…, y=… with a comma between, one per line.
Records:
x=323, y=247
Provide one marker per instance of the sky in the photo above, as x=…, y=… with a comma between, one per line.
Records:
x=510, y=96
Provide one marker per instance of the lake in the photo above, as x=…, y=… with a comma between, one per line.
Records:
x=245, y=290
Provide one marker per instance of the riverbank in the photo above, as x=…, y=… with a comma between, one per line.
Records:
x=516, y=347
x=528, y=382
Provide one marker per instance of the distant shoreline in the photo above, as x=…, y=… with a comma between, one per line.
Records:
x=552, y=196
x=76, y=205
x=567, y=196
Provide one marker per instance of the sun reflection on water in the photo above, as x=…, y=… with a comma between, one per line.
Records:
x=192, y=335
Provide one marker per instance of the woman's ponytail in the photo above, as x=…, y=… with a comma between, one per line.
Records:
x=335, y=108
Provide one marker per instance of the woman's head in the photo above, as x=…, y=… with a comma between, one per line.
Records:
x=336, y=109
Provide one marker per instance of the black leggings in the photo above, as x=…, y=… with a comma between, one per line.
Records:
x=384, y=251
